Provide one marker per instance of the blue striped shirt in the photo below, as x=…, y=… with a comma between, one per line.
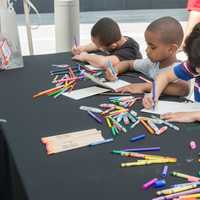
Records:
x=185, y=72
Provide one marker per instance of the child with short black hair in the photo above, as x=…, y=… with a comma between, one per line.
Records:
x=163, y=37
x=106, y=36
x=184, y=71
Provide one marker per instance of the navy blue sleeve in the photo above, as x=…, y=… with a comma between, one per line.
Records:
x=182, y=73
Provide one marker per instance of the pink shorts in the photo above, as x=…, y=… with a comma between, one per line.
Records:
x=193, y=5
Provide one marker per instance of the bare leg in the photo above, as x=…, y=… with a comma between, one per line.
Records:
x=193, y=19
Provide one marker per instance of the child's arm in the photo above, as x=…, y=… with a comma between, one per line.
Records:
x=85, y=48
x=121, y=67
x=162, y=80
x=182, y=117
x=180, y=88
x=96, y=60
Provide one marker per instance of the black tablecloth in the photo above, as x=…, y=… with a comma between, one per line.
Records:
x=26, y=172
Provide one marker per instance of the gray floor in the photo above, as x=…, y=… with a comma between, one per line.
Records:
x=132, y=23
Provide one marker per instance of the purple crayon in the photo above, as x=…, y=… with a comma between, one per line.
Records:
x=142, y=149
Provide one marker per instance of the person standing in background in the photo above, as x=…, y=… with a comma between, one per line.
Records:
x=193, y=6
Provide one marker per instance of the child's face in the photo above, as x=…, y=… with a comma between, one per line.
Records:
x=100, y=46
x=156, y=50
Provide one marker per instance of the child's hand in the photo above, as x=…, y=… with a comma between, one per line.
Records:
x=80, y=57
x=179, y=117
x=136, y=88
x=148, y=101
x=77, y=50
x=109, y=75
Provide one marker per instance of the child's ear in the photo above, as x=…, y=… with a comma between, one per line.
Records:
x=113, y=46
x=173, y=48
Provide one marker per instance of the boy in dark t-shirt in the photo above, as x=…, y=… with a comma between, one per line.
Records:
x=106, y=36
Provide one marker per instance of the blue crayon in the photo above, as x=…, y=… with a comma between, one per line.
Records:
x=160, y=183
x=101, y=142
x=165, y=170
x=136, y=138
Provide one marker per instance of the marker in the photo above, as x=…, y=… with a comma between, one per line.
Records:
x=91, y=109
x=113, y=70
x=162, y=130
x=165, y=170
x=167, y=123
x=147, y=162
x=143, y=149
x=160, y=183
x=186, y=176
x=149, y=184
x=175, y=190
x=98, y=119
x=193, y=145
x=154, y=94
x=144, y=79
x=136, y=138
x=101, y=142
x=3, y=120
x=172, y=196
x=133, y=125
x=149, y=129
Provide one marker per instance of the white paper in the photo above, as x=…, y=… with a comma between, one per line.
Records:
x=113, y=85
x=116, y=84
x=163, y=107
x=85, y=92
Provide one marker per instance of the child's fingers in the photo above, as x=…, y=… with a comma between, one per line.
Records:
x=122, y=89
x=147, y=101
x=170, y=117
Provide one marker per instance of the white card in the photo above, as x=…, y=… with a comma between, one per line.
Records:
x=163, y=107
x=85, y=92
x=113, y=85
x=116, y=84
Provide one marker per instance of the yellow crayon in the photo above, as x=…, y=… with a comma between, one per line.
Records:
x=108, y=122
x=190, y=196
x=176, y=190
x=145, y=156
x=146, y=162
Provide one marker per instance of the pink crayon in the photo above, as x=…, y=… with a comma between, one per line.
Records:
x=149, y=184
x=193, y=145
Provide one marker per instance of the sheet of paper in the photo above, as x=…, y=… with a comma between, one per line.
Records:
x=116, y=84
x=163, y=107
x=85, y=92
x=113, y=85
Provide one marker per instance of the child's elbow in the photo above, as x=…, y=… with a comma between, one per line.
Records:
x=184, y=88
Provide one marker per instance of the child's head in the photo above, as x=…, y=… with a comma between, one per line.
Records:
x=192, y=48
x=105, y=34
x=163, y=36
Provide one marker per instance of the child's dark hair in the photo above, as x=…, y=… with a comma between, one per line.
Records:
x=106, y=31
x=192, y=47
x=169, y=30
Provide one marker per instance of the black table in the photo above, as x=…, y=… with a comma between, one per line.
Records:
x=26, y=172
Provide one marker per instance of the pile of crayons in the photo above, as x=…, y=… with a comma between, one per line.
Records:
x=184, y=191
x=119, y=116
x=65, y=79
